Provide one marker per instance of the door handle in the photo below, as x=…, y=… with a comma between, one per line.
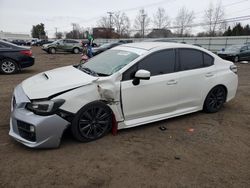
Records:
x=209, y=74
x=172, y=82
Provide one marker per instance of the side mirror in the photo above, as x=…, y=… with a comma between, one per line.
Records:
x=57, y=43
x=141, y=75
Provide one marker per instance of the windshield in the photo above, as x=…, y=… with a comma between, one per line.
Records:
x=57, y=41
x=109, y=62
x=234, y=48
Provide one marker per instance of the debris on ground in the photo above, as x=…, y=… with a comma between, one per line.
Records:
x=162, y=128
x=190, y=130
x=177, y=157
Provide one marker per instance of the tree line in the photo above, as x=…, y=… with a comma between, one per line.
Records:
x=118, y=25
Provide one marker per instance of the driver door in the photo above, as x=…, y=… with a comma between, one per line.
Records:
x=150, y=97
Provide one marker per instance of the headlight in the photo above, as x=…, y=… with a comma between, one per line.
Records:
x=45, y=107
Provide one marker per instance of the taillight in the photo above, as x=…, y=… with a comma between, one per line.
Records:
x=26, y=52
x=233, y=68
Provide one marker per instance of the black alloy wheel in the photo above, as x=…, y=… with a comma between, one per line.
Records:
x=215, y=99
x=93, y=121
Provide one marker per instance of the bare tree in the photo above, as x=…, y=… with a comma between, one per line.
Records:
x=121, y=23
x=59, y=35
x=213, y=17
x=142, y=22
x=104, y=22
x=161, y=20
x=183, y=21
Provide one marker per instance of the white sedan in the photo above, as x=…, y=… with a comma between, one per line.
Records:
x=127, y=86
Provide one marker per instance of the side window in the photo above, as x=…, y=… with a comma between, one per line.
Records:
x=190, y=59
x=130, y=73
x=158, y=63
x=2, y=45
x=244, y=48
x=208, y=60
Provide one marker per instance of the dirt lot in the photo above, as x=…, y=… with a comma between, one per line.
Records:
x=215, y=154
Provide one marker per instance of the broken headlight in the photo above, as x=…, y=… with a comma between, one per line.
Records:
x=44, y=107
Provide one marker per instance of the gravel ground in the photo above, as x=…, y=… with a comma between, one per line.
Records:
x=215, y=154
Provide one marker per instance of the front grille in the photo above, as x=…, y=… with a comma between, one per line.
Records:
x=24, y=131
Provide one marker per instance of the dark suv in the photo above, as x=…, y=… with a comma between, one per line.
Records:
x=63, y=45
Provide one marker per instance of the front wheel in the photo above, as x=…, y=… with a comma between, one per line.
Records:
x=8, y=66
x=52, y=50
x=215, y=99
x=92, y=122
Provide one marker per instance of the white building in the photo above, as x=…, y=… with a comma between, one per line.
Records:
x=14, y=36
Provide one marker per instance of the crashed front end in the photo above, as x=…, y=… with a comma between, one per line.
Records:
x=34, y=130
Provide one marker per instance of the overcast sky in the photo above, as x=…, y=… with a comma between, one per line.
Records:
x=20, y=15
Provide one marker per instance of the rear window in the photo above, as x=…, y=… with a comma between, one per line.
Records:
x=190, y=59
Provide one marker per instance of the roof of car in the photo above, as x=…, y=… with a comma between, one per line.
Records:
x=151, y=45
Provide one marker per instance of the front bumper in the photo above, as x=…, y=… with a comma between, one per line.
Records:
x=46, y=131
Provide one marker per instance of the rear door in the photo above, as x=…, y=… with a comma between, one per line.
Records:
x=196, y=74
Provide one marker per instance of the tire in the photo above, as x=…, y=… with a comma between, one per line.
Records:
x=8, y=66
x=76, y=50
x=92, y=122
x=215, y=99
x=236, y=59
x=52, y=50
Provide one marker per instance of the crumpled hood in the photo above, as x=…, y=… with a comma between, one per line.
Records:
x=46, y=84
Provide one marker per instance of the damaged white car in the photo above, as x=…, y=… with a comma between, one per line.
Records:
x=126, y=86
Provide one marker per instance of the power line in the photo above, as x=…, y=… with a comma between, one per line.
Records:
x=234, y=19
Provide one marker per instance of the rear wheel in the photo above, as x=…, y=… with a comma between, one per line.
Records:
x=215, y=99
x=236, y=59
x=52, y=50
x=8, y=66
x=92, y=122
x=76, y=50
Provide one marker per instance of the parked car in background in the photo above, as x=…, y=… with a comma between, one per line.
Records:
x=125, y=41
x=63, y=45
x=236, y=53
x=19, y=42
x=160, y=40
x=42, y=42
x=14, y=58
x=104, y=47
x=126, y=86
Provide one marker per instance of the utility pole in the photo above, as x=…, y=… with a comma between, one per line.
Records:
x=110, y=19
x=110, y=22
x=56, y=32
x=143, y=25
